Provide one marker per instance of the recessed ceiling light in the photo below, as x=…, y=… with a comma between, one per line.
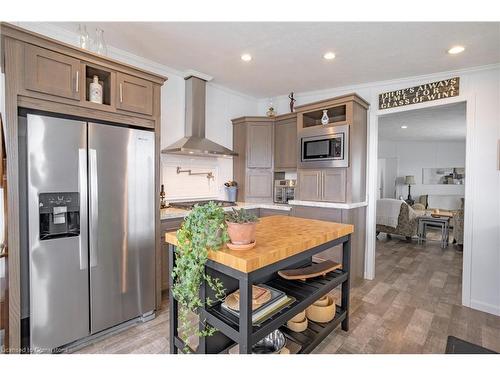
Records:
x=404, y=127
x=456, y=49
x=246, y=57
x=329, y=56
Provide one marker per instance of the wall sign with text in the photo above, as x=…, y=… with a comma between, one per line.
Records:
x=447, y=88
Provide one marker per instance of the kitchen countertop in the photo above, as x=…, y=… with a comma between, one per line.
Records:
x=343, y=206
x=277, y=238
x=175, y=213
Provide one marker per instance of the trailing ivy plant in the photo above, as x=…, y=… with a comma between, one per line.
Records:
x=203, y=229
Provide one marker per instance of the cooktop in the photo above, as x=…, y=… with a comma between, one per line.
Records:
x=190, y=204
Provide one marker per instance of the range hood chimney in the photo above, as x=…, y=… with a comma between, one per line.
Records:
x=194, y=142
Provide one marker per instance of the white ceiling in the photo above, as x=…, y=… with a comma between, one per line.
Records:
x=288, y=56
x=441, y=123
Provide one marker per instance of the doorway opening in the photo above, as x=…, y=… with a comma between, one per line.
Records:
x=421, y=201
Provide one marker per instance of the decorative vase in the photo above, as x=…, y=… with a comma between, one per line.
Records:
x=241, y=234
x=325, y=119
x=99, y=44
x=95, y=95
x=83, y=37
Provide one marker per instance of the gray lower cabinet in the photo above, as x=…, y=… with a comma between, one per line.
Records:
x=167, y=225
x=270, y=212
x=333, y=185
x=259, y=184
x=354, y=216
x=309, y=185
x=327, y=185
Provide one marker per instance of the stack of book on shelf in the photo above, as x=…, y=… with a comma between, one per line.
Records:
x=266, y=302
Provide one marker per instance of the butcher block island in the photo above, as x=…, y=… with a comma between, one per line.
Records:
x=282, y=243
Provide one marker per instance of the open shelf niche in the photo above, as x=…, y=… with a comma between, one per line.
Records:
x=104, y=79
x=335, y=114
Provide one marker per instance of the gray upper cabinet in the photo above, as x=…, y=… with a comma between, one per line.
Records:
x=285, y=143
x=253, y=140
x=260, y=145
x=333, y=185
x=309, y=182
x=51, y=73
x=134, y=94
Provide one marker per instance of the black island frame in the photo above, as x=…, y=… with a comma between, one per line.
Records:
x=232, y=331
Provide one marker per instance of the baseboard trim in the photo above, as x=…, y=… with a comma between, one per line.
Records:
x=485, y=307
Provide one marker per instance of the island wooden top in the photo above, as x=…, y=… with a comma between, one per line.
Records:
x=278, y=237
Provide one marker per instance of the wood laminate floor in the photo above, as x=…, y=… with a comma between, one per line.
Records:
x=412, y=306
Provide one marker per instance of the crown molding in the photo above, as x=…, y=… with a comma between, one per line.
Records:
x=378, y=84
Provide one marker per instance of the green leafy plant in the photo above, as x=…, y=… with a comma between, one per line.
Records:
x=241, y=216
x=203, y=229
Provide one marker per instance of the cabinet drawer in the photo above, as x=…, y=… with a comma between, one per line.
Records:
x=51, y=73
x=134, y=94
x=270, y=212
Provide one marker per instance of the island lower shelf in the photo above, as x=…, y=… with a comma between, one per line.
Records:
x=304, y=293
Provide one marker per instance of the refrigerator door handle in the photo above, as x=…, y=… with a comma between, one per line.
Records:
x=94, y=219
x=82, y=186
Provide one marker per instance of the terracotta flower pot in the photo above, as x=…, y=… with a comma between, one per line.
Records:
x=241, y=234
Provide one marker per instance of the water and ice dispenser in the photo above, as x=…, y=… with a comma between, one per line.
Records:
x=59, y=215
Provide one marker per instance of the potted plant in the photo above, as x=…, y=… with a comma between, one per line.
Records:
x=203, y=229
x=241, y=225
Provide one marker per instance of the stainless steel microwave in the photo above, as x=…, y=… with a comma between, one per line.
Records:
x=325, y=147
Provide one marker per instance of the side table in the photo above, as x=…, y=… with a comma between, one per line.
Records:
x=440, y=222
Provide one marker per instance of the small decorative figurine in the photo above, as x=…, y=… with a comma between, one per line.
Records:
x=271, y=112
x=292, y=102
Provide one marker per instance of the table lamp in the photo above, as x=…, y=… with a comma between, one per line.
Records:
x=409, y=180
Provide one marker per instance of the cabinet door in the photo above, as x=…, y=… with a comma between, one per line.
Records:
x=309, y=185
x=260, y=145
x=285, y=144
x=259, y=184
x=333, y=185
x=134, y=94
x=51, y=73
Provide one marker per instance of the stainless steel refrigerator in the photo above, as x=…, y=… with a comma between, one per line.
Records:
x=91, y=228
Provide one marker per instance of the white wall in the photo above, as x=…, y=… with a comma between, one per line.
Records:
x=481, y=88
x=222, y=105
x=415, y=155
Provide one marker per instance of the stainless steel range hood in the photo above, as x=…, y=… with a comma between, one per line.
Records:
x=194, y=143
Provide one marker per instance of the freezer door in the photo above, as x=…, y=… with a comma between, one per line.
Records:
x=122, y=224
x=59, y=293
